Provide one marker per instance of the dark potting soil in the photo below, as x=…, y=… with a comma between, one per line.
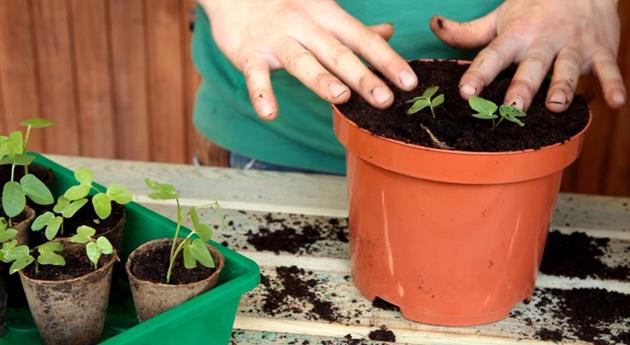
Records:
x=454, y=124
x=589, y=315
x=152, y=265
x=87, y=216
x=297, y=294
x=77, y=265
x=43, y=174
x=579, y=255
x=15, y=220
x=382, y=334
x=294, y=235
x=383, y=304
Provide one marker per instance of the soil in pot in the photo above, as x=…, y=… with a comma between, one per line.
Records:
x=68, y=303
x=43, y=174
x=454, y=124
x=147, y=267
x=152, y=265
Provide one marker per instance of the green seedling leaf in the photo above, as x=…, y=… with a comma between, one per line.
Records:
x=189, y=260
x=84, y=176
x=4, y=147
x=42, y=220
x=161, y=191
x=36, y=190
x=6, y=233
x=37, y=123
x=482, y=106
x=485, y=116
x=48, y=255
x=84, y=234
x=102, y=205
x=73, y=207
x=512, y=114
x=201, y=253
x=62, y=203
x=21, y=263
x=52, y=228
x=204, y=231
x=430, y=91
x=119, y=194
x=93, y=252
x=418, y=106
x=104, y=245
x=19, y=160
x=13, y=199
x=77, y=192
x=15, y=143
x=437, y=101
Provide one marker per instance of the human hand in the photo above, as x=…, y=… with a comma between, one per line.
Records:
x=575, y=36
x=315, y=41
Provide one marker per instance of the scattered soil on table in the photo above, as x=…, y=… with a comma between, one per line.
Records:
x=293, y=235
x=383, y=304
x=297, y=294
x=152, y=265
x=454, y=124
x=77, y=265
x=588, y=315
x=382, y=334
x=579, y=255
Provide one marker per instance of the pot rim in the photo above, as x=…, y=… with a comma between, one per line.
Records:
x=219, y=266
x=113, y=258
x=459, y=152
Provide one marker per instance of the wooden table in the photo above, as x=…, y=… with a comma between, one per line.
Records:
x=248, y=196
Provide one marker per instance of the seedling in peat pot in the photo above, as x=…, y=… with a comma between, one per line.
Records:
x=425, y=101
x=194, y=250
x=75, y=198
x=94, y=248
x=21, y=257
x=486, y=110
x=13, y=151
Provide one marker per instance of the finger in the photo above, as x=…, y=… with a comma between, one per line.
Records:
x=472, y=34
x=609, y=75
x=530, y=74
x=346, y=65
x=489, y=63
x=385, y=30
x=258, y=80
x=566, y=73
x=301, y=63
x=375, y=50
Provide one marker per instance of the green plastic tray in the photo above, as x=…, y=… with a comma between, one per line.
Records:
x=206, y=319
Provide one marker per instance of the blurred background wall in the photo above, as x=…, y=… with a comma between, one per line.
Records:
x=117, y=77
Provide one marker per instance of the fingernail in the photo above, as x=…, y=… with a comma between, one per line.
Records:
x=468, y=89
x=619, y=98
x=408, y=79
x=517, y=102
x=381, y=94
x=266, y=109
x=336, y=90
x=557, y=97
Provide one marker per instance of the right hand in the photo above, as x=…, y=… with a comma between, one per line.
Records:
x=315, y=41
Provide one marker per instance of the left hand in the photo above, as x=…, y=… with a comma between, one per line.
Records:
x=574, y=36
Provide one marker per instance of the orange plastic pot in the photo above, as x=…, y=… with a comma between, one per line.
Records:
x=453, y=238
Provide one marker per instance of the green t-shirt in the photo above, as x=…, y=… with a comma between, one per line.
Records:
x=302, y=135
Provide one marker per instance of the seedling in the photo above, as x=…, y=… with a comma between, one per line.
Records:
x=94, y=248
x=424, y=101
x=13, y=151
x=20, y=257
x=194, y=250
x=75, y=198
x=486, y=110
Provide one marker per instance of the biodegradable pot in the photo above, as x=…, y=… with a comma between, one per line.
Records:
x=71, y=311
x=152, y=298
x=452, y=238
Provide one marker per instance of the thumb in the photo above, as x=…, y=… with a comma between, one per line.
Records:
x=385, y=30
x=472, y=34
